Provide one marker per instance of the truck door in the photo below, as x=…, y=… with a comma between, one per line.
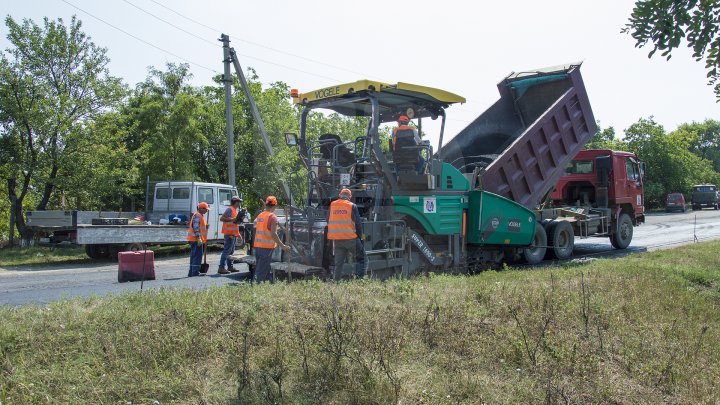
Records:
x=207, y=194
x=634, y=186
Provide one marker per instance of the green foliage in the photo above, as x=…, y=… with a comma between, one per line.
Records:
x=53, y=80
x=606, y=138
x=671, y=165
x=664, y=24
x=641, y=329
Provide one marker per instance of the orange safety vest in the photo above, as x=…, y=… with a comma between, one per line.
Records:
x=231, y=228
x=263, y=233
x=400, y=128
x=340, y=223
x=203, y=229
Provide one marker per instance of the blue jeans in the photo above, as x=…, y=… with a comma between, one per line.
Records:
x=196, y=252
x=228, y=249
x=263, y=257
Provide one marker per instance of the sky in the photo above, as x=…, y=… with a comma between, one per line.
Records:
x=465, y=47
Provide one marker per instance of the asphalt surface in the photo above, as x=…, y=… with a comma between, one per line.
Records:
x=22, y=285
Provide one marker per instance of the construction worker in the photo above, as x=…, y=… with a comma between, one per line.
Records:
x=266, y=239
x=345, y=231
x=405, y=128
x=197, y=237
x=230, y=233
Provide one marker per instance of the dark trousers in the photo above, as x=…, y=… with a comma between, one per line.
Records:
x=345, y=248
x=196, y=252
x=228, y=249
x=263, y=257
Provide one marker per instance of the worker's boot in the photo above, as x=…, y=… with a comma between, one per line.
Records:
x=232, y=269
x=221, y=270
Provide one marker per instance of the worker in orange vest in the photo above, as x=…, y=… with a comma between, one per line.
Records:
x=266, y=239
x=197, y=237
x=345, y=231
x=230, y=233
x=403, y=126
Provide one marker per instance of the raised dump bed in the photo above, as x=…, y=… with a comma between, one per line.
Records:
x=523, y=142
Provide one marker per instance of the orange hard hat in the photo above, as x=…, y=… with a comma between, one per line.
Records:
x=403, y=119
x=271, y=200
x=346, y=191
x=203, y=205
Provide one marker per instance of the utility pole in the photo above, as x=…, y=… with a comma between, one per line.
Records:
x=227, y=81
x=231, y=57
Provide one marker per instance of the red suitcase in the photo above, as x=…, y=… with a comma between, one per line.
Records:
x=130, y=266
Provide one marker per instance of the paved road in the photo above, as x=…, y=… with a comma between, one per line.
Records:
x=42, y=284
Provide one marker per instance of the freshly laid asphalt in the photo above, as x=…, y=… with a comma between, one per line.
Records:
x=42, y=284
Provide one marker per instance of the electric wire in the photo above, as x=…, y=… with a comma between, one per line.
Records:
x=140, y=39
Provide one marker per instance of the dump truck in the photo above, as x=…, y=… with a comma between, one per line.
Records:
x=483, y=198
x=170, y=205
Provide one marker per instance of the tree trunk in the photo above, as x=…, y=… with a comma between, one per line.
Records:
x=16, y=208
x=49, y=186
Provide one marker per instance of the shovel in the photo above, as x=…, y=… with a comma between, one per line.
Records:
x=205, y=266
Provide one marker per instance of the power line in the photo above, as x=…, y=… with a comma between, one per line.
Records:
x=140, y=39
x=215, y=44
x=237, y=37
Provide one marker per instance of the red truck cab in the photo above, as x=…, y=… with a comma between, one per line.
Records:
x=604, y=178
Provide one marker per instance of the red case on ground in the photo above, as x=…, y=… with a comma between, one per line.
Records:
x=130, y=266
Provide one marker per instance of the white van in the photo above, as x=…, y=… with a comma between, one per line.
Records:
x=182, y=197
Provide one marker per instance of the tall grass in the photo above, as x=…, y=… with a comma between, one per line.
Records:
x=642, y=329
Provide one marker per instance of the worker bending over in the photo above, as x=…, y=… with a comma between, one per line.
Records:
x=266, y=239
x=197, y=237
x=230, y=218
x=345, y=231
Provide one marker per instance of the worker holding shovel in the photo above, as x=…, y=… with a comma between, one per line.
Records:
x=197, y=237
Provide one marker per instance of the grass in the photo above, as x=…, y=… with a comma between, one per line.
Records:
x=39, y=255
x=641, y=329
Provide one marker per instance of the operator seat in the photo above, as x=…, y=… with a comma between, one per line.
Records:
x=409, y=165
x=344, y=155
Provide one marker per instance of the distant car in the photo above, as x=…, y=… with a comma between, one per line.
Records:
x=705, y=195
x=675, y=202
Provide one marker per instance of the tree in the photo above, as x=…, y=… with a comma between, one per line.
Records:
x=704, y=140
x=53, y=78
x=605, y=138
x=664, y=24
x=670, y=166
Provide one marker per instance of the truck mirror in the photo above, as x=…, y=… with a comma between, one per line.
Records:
x=290, y=139
x=642, y=170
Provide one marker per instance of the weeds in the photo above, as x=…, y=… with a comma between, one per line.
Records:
x=635, y=330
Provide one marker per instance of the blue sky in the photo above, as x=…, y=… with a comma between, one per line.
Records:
x=463, y=47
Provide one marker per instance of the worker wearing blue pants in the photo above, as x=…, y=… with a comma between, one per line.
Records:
x=266, y=239
x=197, y=238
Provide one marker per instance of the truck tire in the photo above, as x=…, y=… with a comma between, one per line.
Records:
x=135, y=247
x=535, y=253
x=560, y=239
x=97, y=252
x=623, y=232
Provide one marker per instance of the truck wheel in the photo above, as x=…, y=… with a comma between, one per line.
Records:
x=536, y=252
x=97, y=252
x=623, y=232
x=135, y=247
x=561, y=240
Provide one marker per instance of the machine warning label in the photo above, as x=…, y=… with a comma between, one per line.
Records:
x=513, y=225
x=429, y=205
x=344, y=179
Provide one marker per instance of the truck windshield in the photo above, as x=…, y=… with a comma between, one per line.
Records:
x=704, y=189
x=579, y=167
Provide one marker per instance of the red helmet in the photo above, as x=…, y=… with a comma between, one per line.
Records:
x=271, y=200
x=346, y=191
x=403, y=119
x=203, y=205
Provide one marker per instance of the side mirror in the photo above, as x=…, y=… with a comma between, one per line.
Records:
x=642, y=170
x=290, y=139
